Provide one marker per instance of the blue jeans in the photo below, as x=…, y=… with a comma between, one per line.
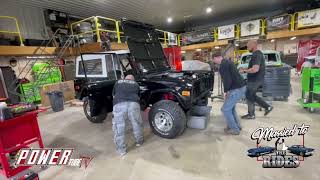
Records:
x=121, y=112
x=229, y=108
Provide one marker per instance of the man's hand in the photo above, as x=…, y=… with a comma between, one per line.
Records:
x=226, y=94
x=241, y=70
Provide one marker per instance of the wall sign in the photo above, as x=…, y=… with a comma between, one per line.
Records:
x=277, y=23
x=172, y=38
x=309, y=18
x=250, y=28
x=200, y=36
x=290, y=48
x=226, y=32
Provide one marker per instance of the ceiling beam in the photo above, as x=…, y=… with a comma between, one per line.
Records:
x=204, y=45
x=287, y=33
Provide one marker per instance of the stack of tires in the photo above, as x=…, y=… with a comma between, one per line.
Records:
x=85, y=27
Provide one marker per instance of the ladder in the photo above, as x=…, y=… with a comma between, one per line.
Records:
x=52, y=65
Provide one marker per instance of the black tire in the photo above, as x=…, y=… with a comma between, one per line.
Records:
x=203, y=101
x=94, y=119
x=166, y=109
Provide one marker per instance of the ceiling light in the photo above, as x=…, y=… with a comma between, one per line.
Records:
x=272, y=40
x=183, y=52
x=217, y=47
x=169, y=19
x=293, y=38
x=237, y=44
x=209, y=10
x=198, y=49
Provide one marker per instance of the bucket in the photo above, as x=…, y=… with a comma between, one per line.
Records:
x=56, y=100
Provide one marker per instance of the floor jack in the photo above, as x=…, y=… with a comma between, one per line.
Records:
x=310, y=82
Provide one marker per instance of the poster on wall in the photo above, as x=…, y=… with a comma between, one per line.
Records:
x=290, y=48
x=172, y=39
x=197, y=36
x=226, y=32
x=250, y=28
x=309, y=18
x=278, y=23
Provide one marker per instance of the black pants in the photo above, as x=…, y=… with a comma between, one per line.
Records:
x=252, y=98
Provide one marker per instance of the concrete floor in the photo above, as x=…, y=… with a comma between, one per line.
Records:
x=196, y=155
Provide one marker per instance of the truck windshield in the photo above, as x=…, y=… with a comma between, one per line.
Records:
x=267, y=57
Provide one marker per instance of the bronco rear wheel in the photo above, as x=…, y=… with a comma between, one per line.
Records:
x=167, y=119
x=87, y=108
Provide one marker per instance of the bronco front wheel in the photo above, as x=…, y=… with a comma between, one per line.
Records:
x=87, y=108
x=167, y=119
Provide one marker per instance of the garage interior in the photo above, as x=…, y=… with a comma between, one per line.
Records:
x=59, y=61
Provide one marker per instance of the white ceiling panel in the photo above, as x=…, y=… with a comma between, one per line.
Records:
x=157, y=11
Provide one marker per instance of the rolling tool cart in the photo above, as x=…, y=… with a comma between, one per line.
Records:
x=310, y=82
x=17, y=133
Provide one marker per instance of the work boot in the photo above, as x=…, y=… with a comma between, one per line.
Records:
x=139, y=144
x=227, y=128
x=268, y=110
x=248, y=116
x=232, y=132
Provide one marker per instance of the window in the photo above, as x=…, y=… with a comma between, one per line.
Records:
x=93, y=67
x=270, y=57
x=125, y=62
x=246, y=59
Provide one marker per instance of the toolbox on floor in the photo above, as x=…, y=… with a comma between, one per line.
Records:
x=277, y=82
x=15, y=134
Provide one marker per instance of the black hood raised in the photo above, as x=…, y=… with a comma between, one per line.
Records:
x=144, y=46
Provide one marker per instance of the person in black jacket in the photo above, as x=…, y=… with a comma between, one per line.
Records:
x=234, y=89
x=126, y=106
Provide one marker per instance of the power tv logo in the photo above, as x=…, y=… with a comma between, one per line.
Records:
x=280, y=154
x=50, y=157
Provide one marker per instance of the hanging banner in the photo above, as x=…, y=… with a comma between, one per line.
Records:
x=172, y=39
x=226, y=32
x=309, y=18
x=278, y=23
x=200, y=36
x=250, y=28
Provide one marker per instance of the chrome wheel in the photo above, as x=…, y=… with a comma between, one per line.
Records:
x=163, y=121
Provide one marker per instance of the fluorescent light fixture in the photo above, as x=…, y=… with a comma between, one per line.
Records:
x=208, y=10
x=182, y=52
x=272, y=40
x=217, y=47
x=198, y=49
x=169, y=19
x=293, y=38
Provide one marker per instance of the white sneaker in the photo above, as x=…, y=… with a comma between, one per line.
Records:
x=123, y=154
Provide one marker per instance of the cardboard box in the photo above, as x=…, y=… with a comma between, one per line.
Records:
x=66, y=87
